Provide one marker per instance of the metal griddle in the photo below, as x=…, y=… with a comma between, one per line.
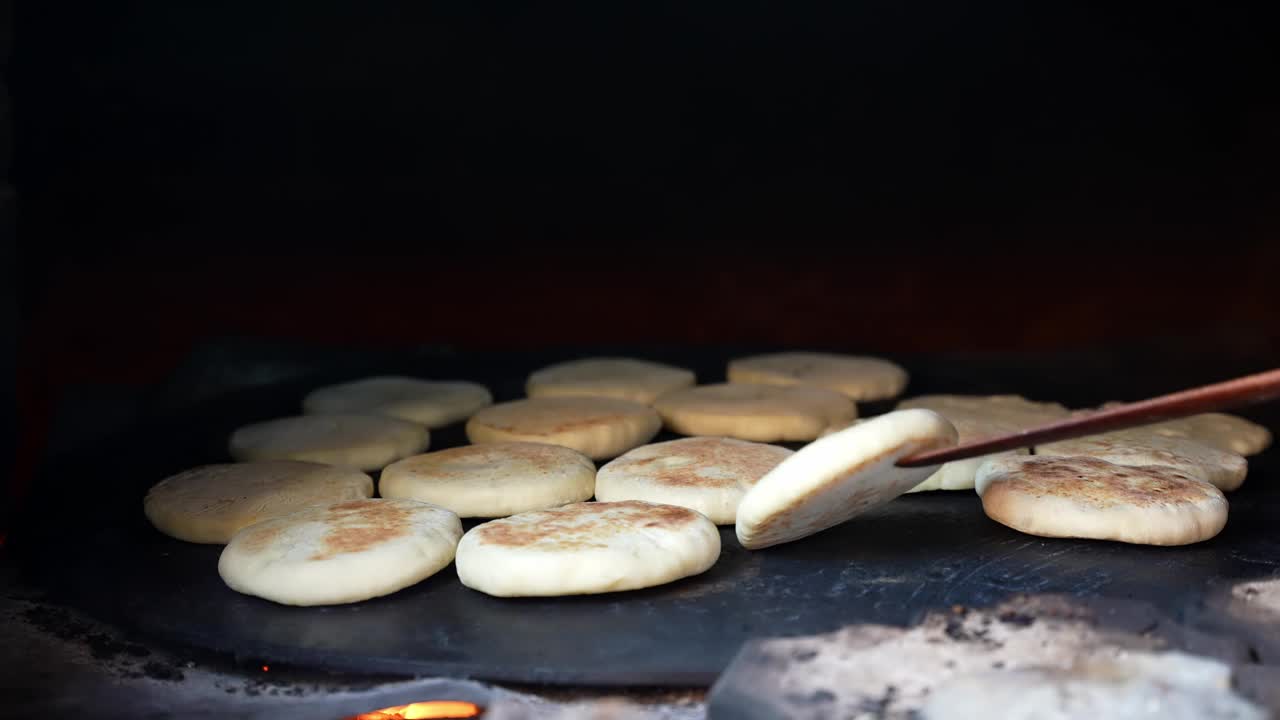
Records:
x=89, y=543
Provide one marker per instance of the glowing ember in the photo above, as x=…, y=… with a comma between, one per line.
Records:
x=439, y=709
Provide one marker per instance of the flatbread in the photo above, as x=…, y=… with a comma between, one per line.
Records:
x=341, y=553
x=1085, y=497
x=976, y=417
x=366, y=442
x=1229, y=433
x=434, y=403
x=209, y=504
x=493, y=480
x=599, y=428
x=761, y=413
x=706, y=474
x=1142, y=446
x=839, y=477
x=587, y=548
x=857, y=377
x=639, y=381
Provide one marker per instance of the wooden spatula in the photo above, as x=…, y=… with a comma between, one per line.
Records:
x=1248, y=390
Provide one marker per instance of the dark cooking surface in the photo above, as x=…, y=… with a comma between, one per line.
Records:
x=93, y=546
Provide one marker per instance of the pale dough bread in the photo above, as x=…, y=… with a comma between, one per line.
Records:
x=587, y=548
x=1229, y=433
x=707, y=474
x=493, y=480
x=1142, y=446
x=599, y=428
x=762, y=413
x=840, y=476
x=341, y=553
x=211, y=503
x=366, y=442
x=979, y=416
x=639, y=381
x=434, y=403
x=1085, y=497
x=855, y=376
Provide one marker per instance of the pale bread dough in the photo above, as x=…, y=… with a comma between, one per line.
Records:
x=366, y=442
x=209, y=504
x=599, y=428
x=587, y=548
x=493, y=480
x=434, y=403
x=761, y=413
x=840, y=476
x=707, y=474
x=1229, y=433
x=1142, y=446
x=857, y=377
x=976, y=417
x=1085, y=497
x=639, y=381
x=341, y=553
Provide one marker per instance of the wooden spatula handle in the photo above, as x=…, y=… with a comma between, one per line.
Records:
x=1248, y=390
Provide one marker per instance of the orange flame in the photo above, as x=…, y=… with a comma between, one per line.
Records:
x=437, y=710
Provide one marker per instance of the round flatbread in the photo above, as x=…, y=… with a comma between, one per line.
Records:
x=434, y=403
x=706, y=474
x=840, y=476
x=366, y=442
x=211, y=503
x=1143, y=446
x=493, y=480
x=341, y=553
x=599, y=428
x=587, y=548
x=761, y=413
x=857, y=377
x=1084, y=497
x=976, y=417
x=1229, y=433
x=639, y=381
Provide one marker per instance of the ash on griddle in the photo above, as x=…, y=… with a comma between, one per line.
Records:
x=817, y=697
x=1017, y=619
x=878, y=708
x=956, y=630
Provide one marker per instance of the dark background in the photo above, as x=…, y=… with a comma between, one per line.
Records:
x=878, y=176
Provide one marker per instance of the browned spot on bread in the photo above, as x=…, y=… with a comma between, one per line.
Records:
x=581, y=525
x=702, y=462
x=550, y=416
x=467, y=460
x=1098, y=483
x=257, y=539
x=362, y=524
